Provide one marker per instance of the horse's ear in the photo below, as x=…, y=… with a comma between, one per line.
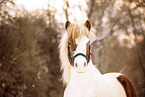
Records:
x=88, y=24
x=67, y=24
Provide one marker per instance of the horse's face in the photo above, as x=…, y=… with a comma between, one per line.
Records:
x=79, y=53
x=82, y=54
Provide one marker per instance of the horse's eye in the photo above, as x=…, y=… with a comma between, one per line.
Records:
x=69, y=43
x=88, y=42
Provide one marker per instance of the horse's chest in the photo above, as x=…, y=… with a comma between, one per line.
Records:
x=80, y=90
x=94, y=88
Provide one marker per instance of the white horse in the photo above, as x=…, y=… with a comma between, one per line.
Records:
x=81, y=77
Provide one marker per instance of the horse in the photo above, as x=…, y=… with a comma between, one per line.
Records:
x=80, y=76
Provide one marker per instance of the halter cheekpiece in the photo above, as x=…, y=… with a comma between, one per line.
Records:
x=71, y=59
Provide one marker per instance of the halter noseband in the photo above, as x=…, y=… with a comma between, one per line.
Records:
x=71, y=59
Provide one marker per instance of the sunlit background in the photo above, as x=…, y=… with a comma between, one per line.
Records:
x=32, y=5
x=30, y=31
x=58, y=6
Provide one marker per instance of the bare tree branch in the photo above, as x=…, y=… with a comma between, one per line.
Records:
x=108, y=33
x=136, y=42
x=66, y=10
x=91, y=8
x=101, y=38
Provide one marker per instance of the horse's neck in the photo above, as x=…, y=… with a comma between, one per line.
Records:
x=90, y=74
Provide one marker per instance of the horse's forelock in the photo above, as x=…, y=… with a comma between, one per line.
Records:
x=75, y=30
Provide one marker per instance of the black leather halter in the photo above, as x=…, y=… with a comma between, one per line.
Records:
x=71, y=59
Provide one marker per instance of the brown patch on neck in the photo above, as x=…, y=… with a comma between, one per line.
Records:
x=128, y=86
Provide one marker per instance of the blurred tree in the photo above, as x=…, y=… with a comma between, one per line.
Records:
x=5, y=8
x=48, y=42
x=28, y=54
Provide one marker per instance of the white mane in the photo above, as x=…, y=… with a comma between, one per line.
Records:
x=73, y=31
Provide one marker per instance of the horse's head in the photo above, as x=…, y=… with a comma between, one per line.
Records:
x=79, y=45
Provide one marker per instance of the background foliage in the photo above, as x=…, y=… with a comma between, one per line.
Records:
x=29, y=62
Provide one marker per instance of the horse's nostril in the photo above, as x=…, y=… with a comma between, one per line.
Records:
x=76, y=64
x=84, y=64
